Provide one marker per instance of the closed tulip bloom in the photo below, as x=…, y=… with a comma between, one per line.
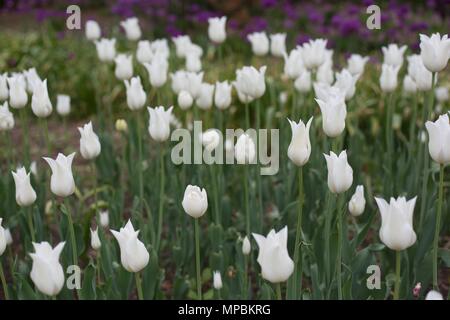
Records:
x=246, y=246
x=194, y=83
x=193, y=63
x=388, y=78
x=63, y=104
x=293, y=63
x=243, y=98
x=217, y=280
x=222, y=95
x=421, y=76
x=273, y=257
x=179, y=81
x=136, y=95
x=300, y=147
x=334, y=112
x=93, y=31
x=25, y=194
x=210, y=139
x=32, y=78
x=4, y=91
x=8, y=237
x=393, y=55
x=124, y=66
x=121, y=125
x=340, y=174
x=303, y=82
x=439, y=139
x=133, y=254
x=18, y=97
x=182, y=44
x=441, y=94
x=95, y=240
x=195, y=201
x=144, y=52
x=89, y=143
x=357, y=202
x=314, y=53
x=104, y=219
x=435, y=51
x=205, y=99
x=185, y=100
x=409, y=85
x=217, y=29
x=434, y=295
x=325, y=73
x=132, y=29
x=157, y=72
x=106, y=49
x=3, y=241
x=160, y=47
x=251, y=81
x=356, y=64
x=396, y=230
x=6, y=117
x=278, y=44
x=40, y=101
x=159, y=124
x=346, y=82
x=46, y=272
x=245, y=150
x=259, y=42
x=62, y=183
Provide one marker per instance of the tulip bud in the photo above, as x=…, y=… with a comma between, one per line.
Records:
x=278, y=44
x=293, y=63
x=133, y=254
x=210, y=139
x=159, y=124
x=160, y=47
x=439, y=139
x=136, y=95
x=157, y=71
x=421, y=76
x=106, y=49
x=250, y=81
x=95, y=240
x=216, y=29
x=121, y=125
x=185, y=100
x=195, y=201
x=396, y=230
x=93, y=31
x=245, y=150
x=18, y=97
x=356, y=64
x=340, y=174
x=205, y=98
x=6, y=117
x=346, y=83
x=182, y=43
x=222, y=95
x=314, y=53
x=25, y=194
x=40, y=101
x=132, y=29
x=47, y=273
x=194, y=83
x=325, y=73
x=144, y=52
x=3, y=241
x=89, y=143
x=388, y=77
x=334, y=112
x=409, y=85
x=104, y=219
x=273, y=256
x=4, y=91
x=303, y=82
x=441, y=94
x=357, y=202
x=300, y=147
x=179, y=81
x=193, y=63
x=259, y=42
x=63, y=104
x=246, y=247
x=434, y=295
x=32, y=78
x=61, y=183
x=217, y=280
x=124, y=66
x=393, y=55
x=434, y=51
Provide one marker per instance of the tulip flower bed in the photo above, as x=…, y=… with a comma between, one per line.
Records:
x=203, y=173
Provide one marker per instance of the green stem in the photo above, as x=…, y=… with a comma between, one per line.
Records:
x=212, y=171
x=278, y=288
x=141, y=182
x=247, y=117
x=246, y=203
x=29, y=214
x=438, y=227
x=413, y=124
x=4, y=284
x=99, y=267
x=26, y=146
x=94, y=177
x=298, y=238
x=197, y=260
x=339, y=246
x=137, y=276
x=72, y=233
x=245, y=295
x=161, y=197
x=258, y=167
x=398, y=261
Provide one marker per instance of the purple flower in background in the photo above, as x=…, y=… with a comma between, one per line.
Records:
x=302, y=38
x=268, y=3
x=173, y=31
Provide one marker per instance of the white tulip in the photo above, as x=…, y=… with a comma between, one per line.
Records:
x=210, y=139
x=157, y=71
x=195, y=201
x=245, y=149
x=95, y=240
x=63, y=104
x=160, y=47
x=356, y=64
x=136, y=95
x=303, y=82
x=300, y=147
x=133, y=254
x=205, y=98
x=181, y=45
x=6, y=117
x=434, y=295
x=217, y=29
x=8, y=237
x=314, y=53
x=346, y=82
x=439, y=139
x=194, y=83
x=396, y=230
x=46, y=272
x=251, y=82
x=185, y=100
x=3, y=240
x=32, y=78
x=340, y=174
x=124, y=66
x=357, y=202
x=179, y=81
x=259, y=42
x=293, y=64
x=278, y=44
x=393, y=55
x=132, y=29
x=25, y=194
x=40, y=101
x=93, y=31
x=104, y=219
x=435, y=51
x=273, y=256
x=144, y=52
x=246, y=246
x=106, y=49
x=159, y=124
x=334, y=112
x=4, y=91
x=89, y=143
x=421, y=76
x=325, y=73
x=409, y=85
x=62, y=183
x=18, y=97
x=222, y=95
x=441, y=94
x=388, y=77
x=217, y=280
x=193, y=63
